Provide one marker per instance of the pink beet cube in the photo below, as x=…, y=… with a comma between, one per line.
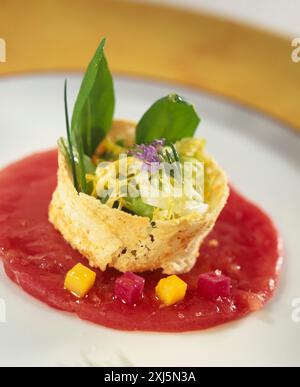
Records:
x=129, y=288
x=213, y=285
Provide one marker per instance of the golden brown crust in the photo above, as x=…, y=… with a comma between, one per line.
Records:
x=112, y=238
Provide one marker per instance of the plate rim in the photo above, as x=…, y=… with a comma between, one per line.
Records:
x=216, y=50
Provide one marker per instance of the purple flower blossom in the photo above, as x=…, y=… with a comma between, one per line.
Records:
x=149, y=154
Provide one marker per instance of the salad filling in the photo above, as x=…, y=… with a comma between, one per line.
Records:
x=148, y=180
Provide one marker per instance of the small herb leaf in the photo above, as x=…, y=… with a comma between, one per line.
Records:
x=88, y=164
x=171, y=118
x=94, y=107
x=70, y=144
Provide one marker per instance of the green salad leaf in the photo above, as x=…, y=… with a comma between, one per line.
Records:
x=171, y=118
x=94, y=107
x=138, y=207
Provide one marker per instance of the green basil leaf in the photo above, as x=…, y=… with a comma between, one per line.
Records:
x=94, y=107
x=171, y=118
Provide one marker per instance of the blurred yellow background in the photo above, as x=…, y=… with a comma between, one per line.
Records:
x=246, y=64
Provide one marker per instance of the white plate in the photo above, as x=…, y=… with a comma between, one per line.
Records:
x=263, y=161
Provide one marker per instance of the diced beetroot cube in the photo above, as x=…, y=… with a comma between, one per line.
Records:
x=129, y=288
x=213, y=285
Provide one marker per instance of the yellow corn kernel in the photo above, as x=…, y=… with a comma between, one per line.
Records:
x=171, y=290
x=80, y=280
